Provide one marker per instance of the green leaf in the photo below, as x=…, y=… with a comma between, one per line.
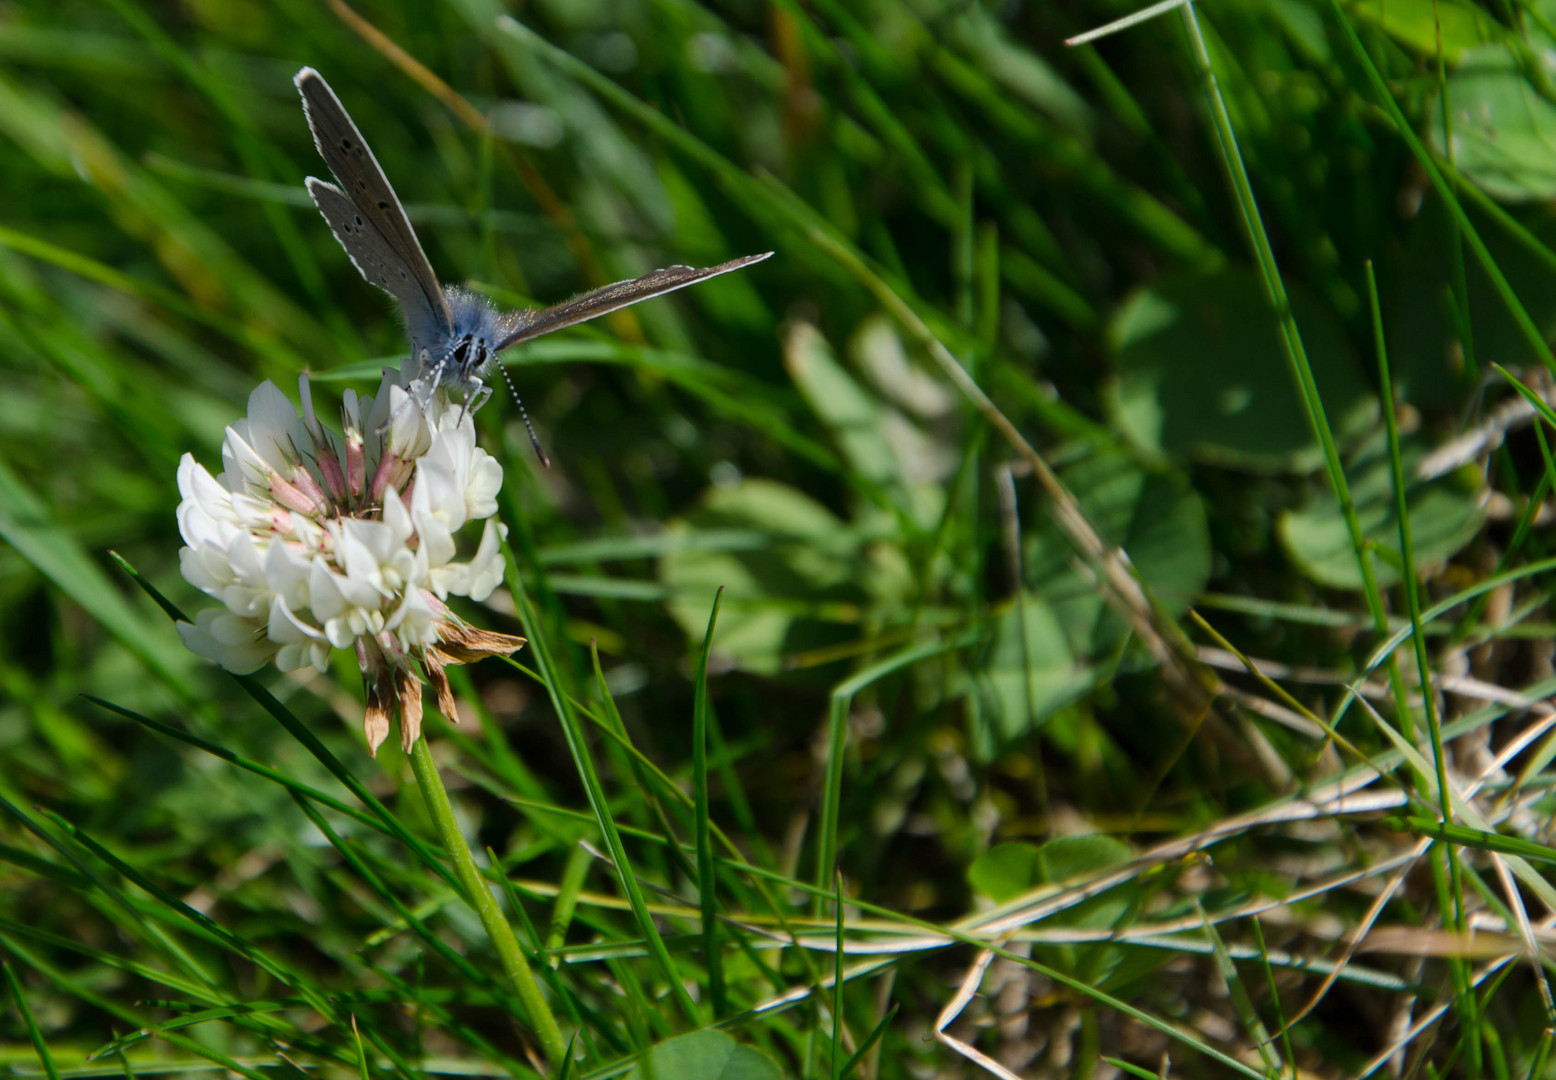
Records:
x=705, y=1055
x=1073, y=856
x=1443, y=518
x=1417, y=23
x=812, y=565
x=1504, y=129
x=854, y=417
x=1030, y=676
x=1005, y=871
x=1201, y=372
x=1157, y=519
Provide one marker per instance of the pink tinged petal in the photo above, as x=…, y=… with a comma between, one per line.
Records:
x=294, y=499
x=356, y=463
x=303, y=480
x=393, y=472
x=334, y=474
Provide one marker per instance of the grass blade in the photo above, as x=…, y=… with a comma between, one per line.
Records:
x=707, y=884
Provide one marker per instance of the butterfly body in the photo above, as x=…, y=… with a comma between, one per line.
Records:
x=478, y=328
x=454, y=334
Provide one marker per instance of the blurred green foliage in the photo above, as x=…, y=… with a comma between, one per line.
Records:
x=905, y=631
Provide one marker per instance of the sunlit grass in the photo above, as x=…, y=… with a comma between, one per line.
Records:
x=969, y=643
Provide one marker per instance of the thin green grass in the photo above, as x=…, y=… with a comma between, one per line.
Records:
x=834, y=734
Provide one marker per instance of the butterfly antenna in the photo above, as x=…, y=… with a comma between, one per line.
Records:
x=533, y=438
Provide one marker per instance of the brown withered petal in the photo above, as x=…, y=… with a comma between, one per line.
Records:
x=410, y=708
x=380, y=698
x=439, y=680
x=461, y=643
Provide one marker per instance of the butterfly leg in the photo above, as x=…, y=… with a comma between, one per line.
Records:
x=413, y=392
x=474, y=400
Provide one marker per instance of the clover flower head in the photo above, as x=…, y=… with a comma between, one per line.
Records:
x=314, y=541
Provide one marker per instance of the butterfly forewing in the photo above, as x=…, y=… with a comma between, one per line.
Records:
x=385, y=234
x=605, y=300
x=373, y=256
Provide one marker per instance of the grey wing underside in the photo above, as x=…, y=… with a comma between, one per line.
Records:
x=366, y=190
x=532, y=324
x=374, y=258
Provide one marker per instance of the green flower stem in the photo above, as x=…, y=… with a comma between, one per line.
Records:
x=479, y=896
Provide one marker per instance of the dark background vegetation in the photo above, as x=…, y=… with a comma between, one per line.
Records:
x=1062, y=222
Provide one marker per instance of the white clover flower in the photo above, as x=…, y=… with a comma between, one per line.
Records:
x=314, y=542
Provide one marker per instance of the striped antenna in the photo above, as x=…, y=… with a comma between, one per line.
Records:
x=534, y=440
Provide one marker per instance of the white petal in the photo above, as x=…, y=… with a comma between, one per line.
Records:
x=285, y=628
x=364, y=545
x=218, y=635
x=488, y=564
x=409, y=433
x=439, y=493
x=437, y=541
x=324, y=595
x=412, y=623
x=274, y=428
x=398, y=517
x=482, y=483
x=206, y=568
x=206, y=514
x=287, y=574
x=243, y=461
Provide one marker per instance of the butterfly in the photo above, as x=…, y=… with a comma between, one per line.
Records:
x=455, y=334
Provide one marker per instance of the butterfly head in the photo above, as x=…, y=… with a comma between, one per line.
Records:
x=477, y=328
